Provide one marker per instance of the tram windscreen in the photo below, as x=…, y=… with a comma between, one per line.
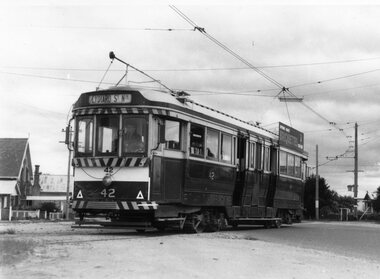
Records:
x=108, y=135
x=85, y=127
x=134, y=134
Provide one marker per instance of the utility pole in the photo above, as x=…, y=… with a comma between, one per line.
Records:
x=356, y=172
x=68, y=142
x=316, y=185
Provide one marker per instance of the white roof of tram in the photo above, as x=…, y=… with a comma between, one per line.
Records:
x=166, y=97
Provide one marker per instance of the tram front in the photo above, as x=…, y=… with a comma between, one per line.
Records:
x=111, y=163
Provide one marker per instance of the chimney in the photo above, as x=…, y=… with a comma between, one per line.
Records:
x=36, y=175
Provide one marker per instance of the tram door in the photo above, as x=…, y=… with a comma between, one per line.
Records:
x=241, y=170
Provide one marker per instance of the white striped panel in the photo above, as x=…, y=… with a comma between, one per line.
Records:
x=133, y=162
x=114, y=162
x=125, y=205
x=144, y=205
x=134, y=205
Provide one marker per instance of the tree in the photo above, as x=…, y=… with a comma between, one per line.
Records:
x=328, y=199
x=376, y=202
x=346, y=202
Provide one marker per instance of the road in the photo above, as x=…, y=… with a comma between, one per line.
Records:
x=355, y=239
x=307, y=250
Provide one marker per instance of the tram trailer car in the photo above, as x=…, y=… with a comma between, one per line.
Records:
x=146, y=158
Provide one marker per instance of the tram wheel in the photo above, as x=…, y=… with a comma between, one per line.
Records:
x=217, y=222
x=278, y=224
x=199, y=223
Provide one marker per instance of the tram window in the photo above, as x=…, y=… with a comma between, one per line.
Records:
x=266, y=158
x=226, y=148
x=297, y=167
x=134, y=134
x=290, y=165
x=283, y=162
x=259, y=156
x=197, y=139
x=172, y=134
x=107, y=135
x=252, y=155
x=212, y=144
x=84, y=143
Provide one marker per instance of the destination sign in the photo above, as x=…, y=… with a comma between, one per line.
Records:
x=290, y=137
x=110, y=99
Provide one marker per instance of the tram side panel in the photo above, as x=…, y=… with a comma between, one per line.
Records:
x=207, y=184
x=167, y=180
x=289, y=197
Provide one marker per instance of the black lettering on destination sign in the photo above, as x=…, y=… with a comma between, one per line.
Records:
x=110, y=99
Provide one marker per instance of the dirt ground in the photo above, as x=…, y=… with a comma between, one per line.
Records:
x=55, y=250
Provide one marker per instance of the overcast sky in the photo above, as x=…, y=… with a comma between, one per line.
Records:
x=327, y=54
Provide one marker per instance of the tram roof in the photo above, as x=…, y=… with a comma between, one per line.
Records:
x=159, y=96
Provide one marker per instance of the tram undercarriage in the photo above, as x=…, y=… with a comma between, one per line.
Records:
x=188, y=219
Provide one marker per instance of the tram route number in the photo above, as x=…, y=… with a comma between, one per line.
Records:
x=108, y=193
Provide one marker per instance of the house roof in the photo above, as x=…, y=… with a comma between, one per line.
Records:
x=12, y=153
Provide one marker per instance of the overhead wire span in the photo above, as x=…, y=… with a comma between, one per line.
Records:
x=241, y=59
x=112, y=28
x=197, y=69
x=333, y=79
x=203, y=32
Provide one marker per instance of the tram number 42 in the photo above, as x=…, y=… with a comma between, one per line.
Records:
x=108, y=193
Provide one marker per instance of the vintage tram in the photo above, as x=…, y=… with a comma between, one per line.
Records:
x=149, y=158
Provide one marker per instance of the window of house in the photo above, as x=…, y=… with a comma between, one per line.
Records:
x=212, y=144
x=172, y=134
x=85, y=128
x=107, y=135
x=226, y=142
x=252, y=155
x=197, y=140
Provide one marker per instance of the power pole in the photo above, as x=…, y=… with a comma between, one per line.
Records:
x=356, y=171
x=316, y=185
x=68, y=142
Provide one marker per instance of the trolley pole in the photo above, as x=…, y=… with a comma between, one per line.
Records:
x=356, y=172
x=316, y=185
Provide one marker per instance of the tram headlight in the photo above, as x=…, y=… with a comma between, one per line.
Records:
x=107, y=180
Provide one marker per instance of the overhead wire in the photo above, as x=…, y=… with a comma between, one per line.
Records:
x=270, y=79
x=333, y=79
x=198, y=69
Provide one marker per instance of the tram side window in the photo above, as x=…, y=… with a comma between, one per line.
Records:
x=226, y=142
x=259, y=156
x=283, y=162
x=107, y=135
x=172, y=134
x=134, y=134
x=197, y=140
x=290, y=165
x=297, y=167
x=252, y=155
x=85, y=127
x=212, y=144
x=266, y=158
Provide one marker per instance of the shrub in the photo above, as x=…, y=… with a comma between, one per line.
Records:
x=49, y=207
